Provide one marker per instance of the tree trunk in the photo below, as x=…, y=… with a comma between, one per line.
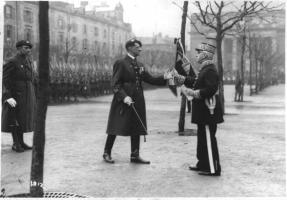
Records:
x=242, y=65
x=220, y=71
x=256, y=75
x=183, y=98
x=250, y=67
x=37, y=166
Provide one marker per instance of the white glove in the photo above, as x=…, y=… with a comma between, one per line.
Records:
x=128, y=100
x=168, y=75
x=12, y=102
x=190, y=93
x=179, y=79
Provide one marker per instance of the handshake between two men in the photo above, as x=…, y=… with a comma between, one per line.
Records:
x=178, y=76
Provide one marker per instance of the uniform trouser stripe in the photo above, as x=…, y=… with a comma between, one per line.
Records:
x=209, y=150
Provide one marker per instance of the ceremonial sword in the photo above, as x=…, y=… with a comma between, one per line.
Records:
x=132, y=104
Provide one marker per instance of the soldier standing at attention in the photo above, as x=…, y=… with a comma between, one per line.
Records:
x=206, y=111
x=18, y=96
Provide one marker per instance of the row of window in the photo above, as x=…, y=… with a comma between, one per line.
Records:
x=28, y=35
x=10, y=14
x=74, y=28
x=28, y=17
x=10, y=32
x=74, y=42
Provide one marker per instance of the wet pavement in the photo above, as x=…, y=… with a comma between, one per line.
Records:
x=251, y=145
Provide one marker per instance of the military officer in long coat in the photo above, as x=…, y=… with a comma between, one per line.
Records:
x=128, y=101
x=18, y=96
x=206, y=111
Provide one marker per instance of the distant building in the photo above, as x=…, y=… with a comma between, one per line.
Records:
x=158, y=51
x=73, y=31
x=271, y=29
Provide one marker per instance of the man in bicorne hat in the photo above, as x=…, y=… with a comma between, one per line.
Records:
x=206, y=110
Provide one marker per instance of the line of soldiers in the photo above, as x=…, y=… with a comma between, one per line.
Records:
x=67, y=87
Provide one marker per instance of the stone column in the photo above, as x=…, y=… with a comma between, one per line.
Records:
x=234, y=54
x=273, y=44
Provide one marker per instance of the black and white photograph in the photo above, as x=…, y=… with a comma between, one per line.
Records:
x=143, y=99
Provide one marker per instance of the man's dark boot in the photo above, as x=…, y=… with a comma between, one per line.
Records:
x=107, y=157
x=22, y=143
x=16, y=145
x=135, y=158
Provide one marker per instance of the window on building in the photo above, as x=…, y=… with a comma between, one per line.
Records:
x=8, y=12
x=28, y=16
x=85, y=44
x=113, y=35
x=113, y=48
x=104, y=49
x=85, y=29
x=105, y=33
x=96, y=44
x=60, y=37
x=28, y=33
x=61, y=24
x=74, y=42
x=75, y=27
x=9, y=32
x=96, y=29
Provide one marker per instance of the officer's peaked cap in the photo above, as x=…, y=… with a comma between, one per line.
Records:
x=206, y=47
x=132, y=42
x=24, y=43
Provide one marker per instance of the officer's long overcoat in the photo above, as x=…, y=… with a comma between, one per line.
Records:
x=126, y=81
x=18, y=83
x=207, y=83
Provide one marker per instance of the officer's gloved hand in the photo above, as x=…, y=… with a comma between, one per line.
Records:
x=168, y=74
x=128, y=100
x=12, y=102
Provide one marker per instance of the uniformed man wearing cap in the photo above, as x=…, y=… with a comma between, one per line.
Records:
x=18, y=95
x=206, y=110
x=127, y=115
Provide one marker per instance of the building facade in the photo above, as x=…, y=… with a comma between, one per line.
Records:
x=270, y=29
x=74, y=31
x=158, y=52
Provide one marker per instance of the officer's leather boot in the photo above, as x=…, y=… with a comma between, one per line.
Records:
x=135, y=158
x=16, y=145
x=107, y=157
x=22, y=143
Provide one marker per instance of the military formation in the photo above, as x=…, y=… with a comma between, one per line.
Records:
x=68, y=83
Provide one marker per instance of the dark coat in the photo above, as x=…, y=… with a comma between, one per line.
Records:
x=18, y=83
x=207, y=83
x=126, y=81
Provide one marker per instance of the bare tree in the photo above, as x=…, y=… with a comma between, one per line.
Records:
x=212, y=16
x=266, y=61
x=37, y=166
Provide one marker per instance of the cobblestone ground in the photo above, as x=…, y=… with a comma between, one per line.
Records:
x=251, y=145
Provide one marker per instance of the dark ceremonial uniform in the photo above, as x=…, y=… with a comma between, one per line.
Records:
x=18, y=83
x=207, y=83
x=127, y=80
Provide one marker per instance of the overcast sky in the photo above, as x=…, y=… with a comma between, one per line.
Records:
x=149, y=17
